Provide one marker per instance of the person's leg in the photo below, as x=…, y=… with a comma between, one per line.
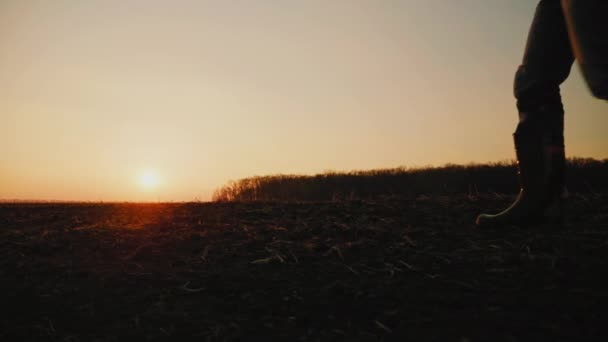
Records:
x=588, y=29
x=547, y=60
x=538, y=138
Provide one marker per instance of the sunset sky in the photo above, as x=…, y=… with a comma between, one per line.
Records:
x=168, y=100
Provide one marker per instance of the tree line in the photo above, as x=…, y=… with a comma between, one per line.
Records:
x=583, y=175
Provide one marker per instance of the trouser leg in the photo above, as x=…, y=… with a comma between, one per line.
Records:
x=546, y=64
x=588, y=30
x=547, y=60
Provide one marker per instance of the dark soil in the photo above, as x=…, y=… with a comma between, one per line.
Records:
x=392, y=269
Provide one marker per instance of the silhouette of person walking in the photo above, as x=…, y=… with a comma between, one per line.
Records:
x=561, y=32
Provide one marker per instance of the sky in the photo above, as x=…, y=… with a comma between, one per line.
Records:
x=145, y=100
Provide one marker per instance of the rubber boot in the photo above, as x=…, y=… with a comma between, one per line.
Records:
x=539, y=147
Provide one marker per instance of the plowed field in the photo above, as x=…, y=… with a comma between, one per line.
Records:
x=388, y=269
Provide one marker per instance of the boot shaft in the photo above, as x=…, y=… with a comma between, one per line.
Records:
x=539, y=145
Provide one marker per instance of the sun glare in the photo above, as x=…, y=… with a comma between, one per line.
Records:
x=148, y=179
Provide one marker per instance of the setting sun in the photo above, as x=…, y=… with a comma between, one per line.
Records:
x=148, y=179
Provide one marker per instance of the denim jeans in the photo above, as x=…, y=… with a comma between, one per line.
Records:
x=561, y=32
